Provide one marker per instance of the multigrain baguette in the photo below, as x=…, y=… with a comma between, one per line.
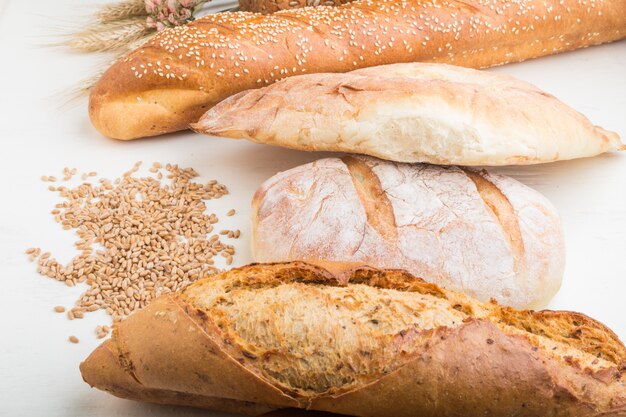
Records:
x=486, y=235
x=178, y=75
x=358, y=341
x=436, y=113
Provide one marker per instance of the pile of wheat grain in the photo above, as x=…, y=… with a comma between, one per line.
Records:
x=138, y=238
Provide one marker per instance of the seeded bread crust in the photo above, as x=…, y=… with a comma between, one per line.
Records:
x=496, y=361
x=179, y=74
x=273, y=6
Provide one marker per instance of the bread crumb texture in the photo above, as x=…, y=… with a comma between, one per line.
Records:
x=354, y=340
x=310, y=333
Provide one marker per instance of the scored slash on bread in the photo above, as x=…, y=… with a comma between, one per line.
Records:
x=180, y=73
x=417, y=112
x=357, y=341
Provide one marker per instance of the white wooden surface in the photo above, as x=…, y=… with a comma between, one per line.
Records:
x=39, y=368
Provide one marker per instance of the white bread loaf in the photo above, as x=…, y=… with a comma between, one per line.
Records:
x=361, y=342
x=484, y=234
x=417, y=112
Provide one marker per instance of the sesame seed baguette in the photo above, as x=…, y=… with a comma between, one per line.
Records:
x=179, y=74
x=357, y=341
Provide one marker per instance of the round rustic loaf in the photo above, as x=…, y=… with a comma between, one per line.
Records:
x=466, y=230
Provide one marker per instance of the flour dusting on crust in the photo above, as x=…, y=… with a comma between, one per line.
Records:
x=446, y=233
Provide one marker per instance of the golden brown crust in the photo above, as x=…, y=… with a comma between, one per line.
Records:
x=173, y=352
x=164, y=85
x=294, y=412
x=273, y=6
x=452, y=389
x=107, y=373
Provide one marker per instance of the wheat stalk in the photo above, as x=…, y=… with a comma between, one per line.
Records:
x=109, y=36
x=135, y=44
x=121, y=10
x=120, y=27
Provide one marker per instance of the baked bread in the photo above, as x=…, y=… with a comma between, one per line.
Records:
x=361, y=342
x=272, y=6
x=416, y=112
x=178, y=75
x=486, y=235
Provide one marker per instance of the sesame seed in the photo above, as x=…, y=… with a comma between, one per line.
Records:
x=231, y=40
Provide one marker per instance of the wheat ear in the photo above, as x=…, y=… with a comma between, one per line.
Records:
x=121, y=10
x=109, y=36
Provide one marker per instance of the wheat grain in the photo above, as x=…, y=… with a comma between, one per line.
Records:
x=102, y=331
x=153, y=238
